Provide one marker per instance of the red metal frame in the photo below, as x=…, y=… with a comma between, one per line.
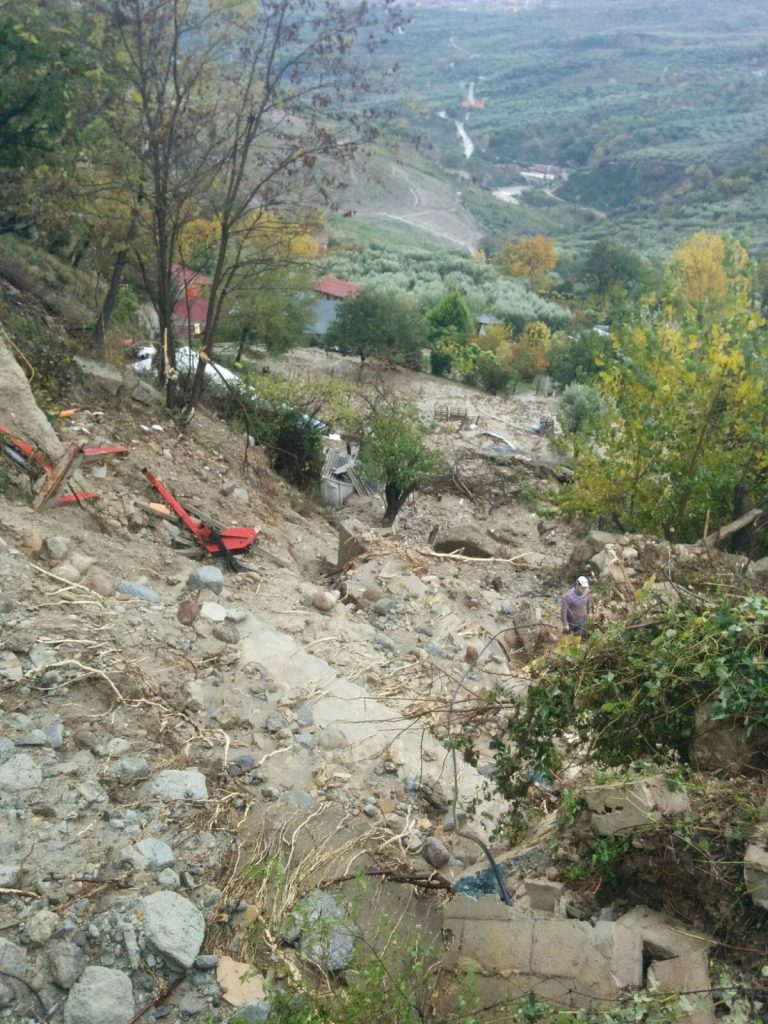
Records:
x=227, y=541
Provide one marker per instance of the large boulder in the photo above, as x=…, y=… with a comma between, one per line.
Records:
x=20, y=412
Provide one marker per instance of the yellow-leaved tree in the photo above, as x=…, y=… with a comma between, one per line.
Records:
x=532, y=257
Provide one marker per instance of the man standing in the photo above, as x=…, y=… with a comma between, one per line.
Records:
x=575, y=606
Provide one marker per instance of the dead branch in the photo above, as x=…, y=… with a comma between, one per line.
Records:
x=468, y=558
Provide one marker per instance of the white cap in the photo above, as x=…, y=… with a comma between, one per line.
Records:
x=583, y=582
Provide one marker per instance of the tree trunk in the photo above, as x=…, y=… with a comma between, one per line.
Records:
x=107, y=307
x=395, y=499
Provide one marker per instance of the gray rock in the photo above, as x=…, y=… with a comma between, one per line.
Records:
x=240, y=495
x=236, y=613
x=19, y=773
x=383, y=606
x=67, y=962
x=174, y=927
x=327, y=937
x=14, y=962
x=332, y=739
x=435, y=853
x=155, y=852
x=54, y=734
x=304, y=715
x=55, y=548
x=138, y=591
x=35, y=738
x=324, y=600
x=7, y=747
x=179, y=785
x=101, y=996
x=385, y=643
x=227, y=632
x=213, y=611
x=168, y=879
x=100, y=583
x=275, y=722
x=41, y=926
x=270, y=792
x=252, y=1013
x=129, y=769
x=206, y=577
x=306, y=740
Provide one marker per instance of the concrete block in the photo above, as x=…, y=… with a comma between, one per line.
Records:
x=686, y=974
x=663, y=936
x=624, y=807
x=544, y=895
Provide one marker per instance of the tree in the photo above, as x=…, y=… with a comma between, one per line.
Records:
x=611, y=270
x=581, y=357
x=533, y=258
x=451, y=311
x=234, y=115
x=708, y=273
x=394, y=452
x=381, y=324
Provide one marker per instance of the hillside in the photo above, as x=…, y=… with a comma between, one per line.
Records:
x=657, y=113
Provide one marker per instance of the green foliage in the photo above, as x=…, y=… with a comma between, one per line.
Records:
x=271, y=314
x=450, y=314
x=126, y=312
x=580, y=358
x=381, y=324
x=612, y=269
x=452, y=357
x=579, y=408
x=631, y=691
x=394, y=452
x=495, y=372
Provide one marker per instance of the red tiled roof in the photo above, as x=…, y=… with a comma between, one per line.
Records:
x=336, y=289
x=187, y=276
x=193, y=311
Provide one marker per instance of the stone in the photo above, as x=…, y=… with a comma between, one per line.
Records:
x=275, y=721
x=298, y=798
x=67, y=571
x=67, y=962
x=174, y=927
x=55, y=549
x=155, y=852
x=138, y=591
x=689, y=974
x=238, y=982
x=383, y=606
x=327, y=936
x=240, y=496
x=543, y=895
x=127, y=770
x=10, y=667
x=226, y=632
x=168, y=879
x=21, y=414
x=100, y=376
x=756, y=873
x=206, y=577
x=187, y=612
x=528, y=624
x=213, y=611
x=54, y=735
x=34, y=738
x=435, y=853
x=19, y=773
x=174, y=784
x=332, y=738
x=34, y=540
x=723, y=746
x=100, y=996
x=304, y=715
x=253, y=1013
x=351, y=543
x=623, y=807
x=41, y=926
x=325, y=600
x=100, y=583
x=145, y=394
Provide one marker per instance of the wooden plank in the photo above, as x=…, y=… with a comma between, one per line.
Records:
x=55, y=480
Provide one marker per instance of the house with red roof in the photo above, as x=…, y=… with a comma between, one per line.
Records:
x=189, y=282
x=334, y=288
x=191, y=315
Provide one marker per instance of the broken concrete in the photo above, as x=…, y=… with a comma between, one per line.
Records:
x=756, y=873
x=569, y=962
x=625, y=807
x=689, y=976
x=664, y=937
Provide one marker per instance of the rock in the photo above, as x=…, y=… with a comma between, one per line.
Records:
x=138, y=591
x=253, y=1013
x=327, y=937
x=41, y=926
x=100, y=376
x=723, y=746
x=187, y=612
x=240, y=496
x=100, y=996
x=206, y=577
x=543, y=895
x=226, y=632
x=55, y=549
x=54, y=735
x=298, y=798
x=155, y=852
x=67, y=571
x=10, y=667
x=756, y=873
x=67, y=962
x=351, y=543
x=383, y=606
x=173, y=784
x=435, y=853
x=213, y=611
x=34, y=540
x=145, y=394
x=275, y=722
x=663, y=936
x=174, y=927
x=325, y=600
x=35, y=738
x=528, y=624
x=168, y=879
x=21, y=414
x=127, y=770
x=304, y=715
x=100, y=583
x=238, y=983
x=14, y=962
x=332, y=738
x=19, y=773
